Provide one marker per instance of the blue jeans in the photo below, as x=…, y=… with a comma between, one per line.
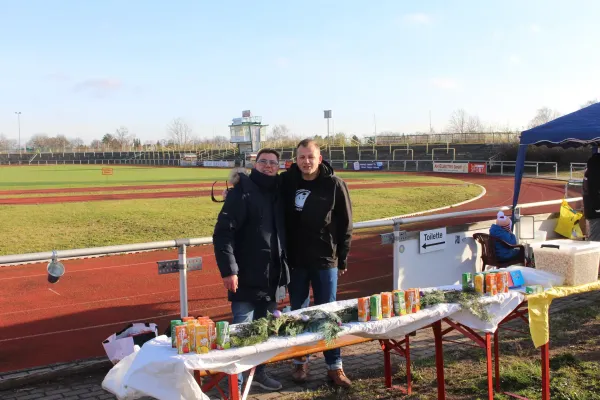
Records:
x=247, y=312
x=324, y=286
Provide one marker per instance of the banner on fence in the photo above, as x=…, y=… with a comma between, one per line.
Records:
x=477, y=168
x=455, y=168
x=368, y=165
x=219, y=164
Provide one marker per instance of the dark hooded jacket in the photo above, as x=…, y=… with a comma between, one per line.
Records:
x=591, y=188
x=318, y=217
x=249, y=238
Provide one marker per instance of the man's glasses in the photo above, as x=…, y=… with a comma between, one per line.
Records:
x=267, y=162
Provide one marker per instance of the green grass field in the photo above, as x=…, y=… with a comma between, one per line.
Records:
x=71, y=176
x=47, y=227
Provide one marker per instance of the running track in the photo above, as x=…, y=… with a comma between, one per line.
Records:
x=41, y=324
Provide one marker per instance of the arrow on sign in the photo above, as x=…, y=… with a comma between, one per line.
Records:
x=426, y=245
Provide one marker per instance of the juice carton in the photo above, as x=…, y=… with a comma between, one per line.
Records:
x=223, y=339
x=375, y=312
x=399, y=302
x=364, y=308
x=202, y=339
x=174, y=324
x=479, y=283
x=491, y=286
x=183, y=343
x=413, y=300
x=387, y=305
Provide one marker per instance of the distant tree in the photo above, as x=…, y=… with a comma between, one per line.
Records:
x=474, y=124
x=7, y=144
x=77, y=143
x=459, y=121
x=543, y=115
x=122, y=137
x=589, y=103
x=96, y=144
x=180, y=133
x=40, y=141
x=280, y=132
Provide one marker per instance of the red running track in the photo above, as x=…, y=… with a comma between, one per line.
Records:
x=41, y=324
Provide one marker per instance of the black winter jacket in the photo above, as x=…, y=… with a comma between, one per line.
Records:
x=249, y=238
x=319, y=236
x=591, y=188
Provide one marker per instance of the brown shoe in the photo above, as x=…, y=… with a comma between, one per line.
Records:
x=300, y=373
x=338, y=378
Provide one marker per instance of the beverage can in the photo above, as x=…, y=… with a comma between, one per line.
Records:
x=387, y=305
x=223, y=340
x=399, y=302
x=375, y=312
x=364, y=308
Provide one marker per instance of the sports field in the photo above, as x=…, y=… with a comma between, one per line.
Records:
x=65, y=207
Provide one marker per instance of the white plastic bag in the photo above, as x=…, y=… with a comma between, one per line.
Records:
x=119, y=345
x=113, y=381
x=533, y=276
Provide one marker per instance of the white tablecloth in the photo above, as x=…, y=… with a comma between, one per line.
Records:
x=157, y=370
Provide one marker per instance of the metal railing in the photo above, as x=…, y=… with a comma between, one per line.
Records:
x=576, y=171
x=182, y=244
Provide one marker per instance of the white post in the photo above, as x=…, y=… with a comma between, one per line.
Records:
x=182, y=263
x=396, y=255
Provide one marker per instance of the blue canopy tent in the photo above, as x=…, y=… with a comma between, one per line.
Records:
x=580, y=128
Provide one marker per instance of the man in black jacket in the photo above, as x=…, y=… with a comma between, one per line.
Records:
x=591, y=197
x=249, y=243
x=319, y=230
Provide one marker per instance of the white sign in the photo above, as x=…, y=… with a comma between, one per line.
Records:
x=433, y=240
x=455, y=168
x=219, y=164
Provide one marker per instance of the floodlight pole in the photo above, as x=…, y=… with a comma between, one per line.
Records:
x=19, y=125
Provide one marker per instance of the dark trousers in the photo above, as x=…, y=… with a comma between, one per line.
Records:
x=324, y=286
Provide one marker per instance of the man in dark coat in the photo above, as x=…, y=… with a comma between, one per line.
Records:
x=591, y=197
x=319, y=231
x=249, y=244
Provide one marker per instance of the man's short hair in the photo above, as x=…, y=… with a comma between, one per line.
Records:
x=267, y=150
x=308, y=142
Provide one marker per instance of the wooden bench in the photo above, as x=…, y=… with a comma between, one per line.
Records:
x=401, y=347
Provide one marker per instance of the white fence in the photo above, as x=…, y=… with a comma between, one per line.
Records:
x=439, y=269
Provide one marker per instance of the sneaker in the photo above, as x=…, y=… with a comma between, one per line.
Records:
x=264, y=381
x=338, y=378
x=300, y=373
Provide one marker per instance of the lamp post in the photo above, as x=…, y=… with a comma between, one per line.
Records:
x=19, y=125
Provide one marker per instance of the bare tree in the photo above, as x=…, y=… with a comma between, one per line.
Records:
x=122, y=137
x=474, y=124
x=180, y=133
x=458, y=121
x=543, y=116
x=589, y=103
x=280, y=132
x=77, y=143
x=7, y=144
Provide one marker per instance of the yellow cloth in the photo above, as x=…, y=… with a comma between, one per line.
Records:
x=539, y=304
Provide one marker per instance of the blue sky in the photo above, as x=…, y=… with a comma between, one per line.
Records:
x=83, y=68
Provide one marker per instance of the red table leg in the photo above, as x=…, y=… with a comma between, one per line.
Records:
x=497, y=359
x=439, y=360
x=488, y=356
x=408, y=373
x=387, y=363
x=233, y=387
x=546, y=371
